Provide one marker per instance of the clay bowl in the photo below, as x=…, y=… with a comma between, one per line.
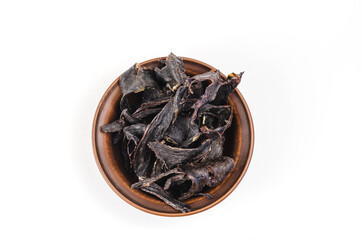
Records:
x=238, y=145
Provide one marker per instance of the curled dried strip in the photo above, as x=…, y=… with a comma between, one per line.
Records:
x=209, y=95
x=178, y=179
x=157, y=191
x=224, y=115
x=217, y=132
x=227, y=87
x=192, y=179
x=148, y=181
x=115, y=126
x=134, y=132
x=173, y=156
x=159, y=166
x=210, y=174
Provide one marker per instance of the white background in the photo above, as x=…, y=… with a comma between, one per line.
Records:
x=303, y=74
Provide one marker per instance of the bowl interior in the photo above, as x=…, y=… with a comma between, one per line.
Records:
x=238, y=145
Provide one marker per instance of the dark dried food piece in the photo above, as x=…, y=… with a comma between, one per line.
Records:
x=135, y=80
x=134, y=132
x=126, y=116
x=210, y=91
x=173, y=74
x=157, y=191
x=227, y=87
x=216, y=149
x=173, y=156
x=208, y=174
x=115, y=126
x=224, y=116
x=146, y=182
x=182, y=132
x=190, y=180
x=159, y=166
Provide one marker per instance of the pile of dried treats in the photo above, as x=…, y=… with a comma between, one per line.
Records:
x=171, y=129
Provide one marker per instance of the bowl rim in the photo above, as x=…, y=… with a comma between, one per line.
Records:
x=95, y=153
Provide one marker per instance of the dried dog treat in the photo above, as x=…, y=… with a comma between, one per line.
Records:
x=171, y=129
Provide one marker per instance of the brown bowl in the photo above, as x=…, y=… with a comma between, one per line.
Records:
x=239, y=142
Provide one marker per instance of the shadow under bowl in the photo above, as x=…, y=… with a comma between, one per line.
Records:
x=239, y=142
